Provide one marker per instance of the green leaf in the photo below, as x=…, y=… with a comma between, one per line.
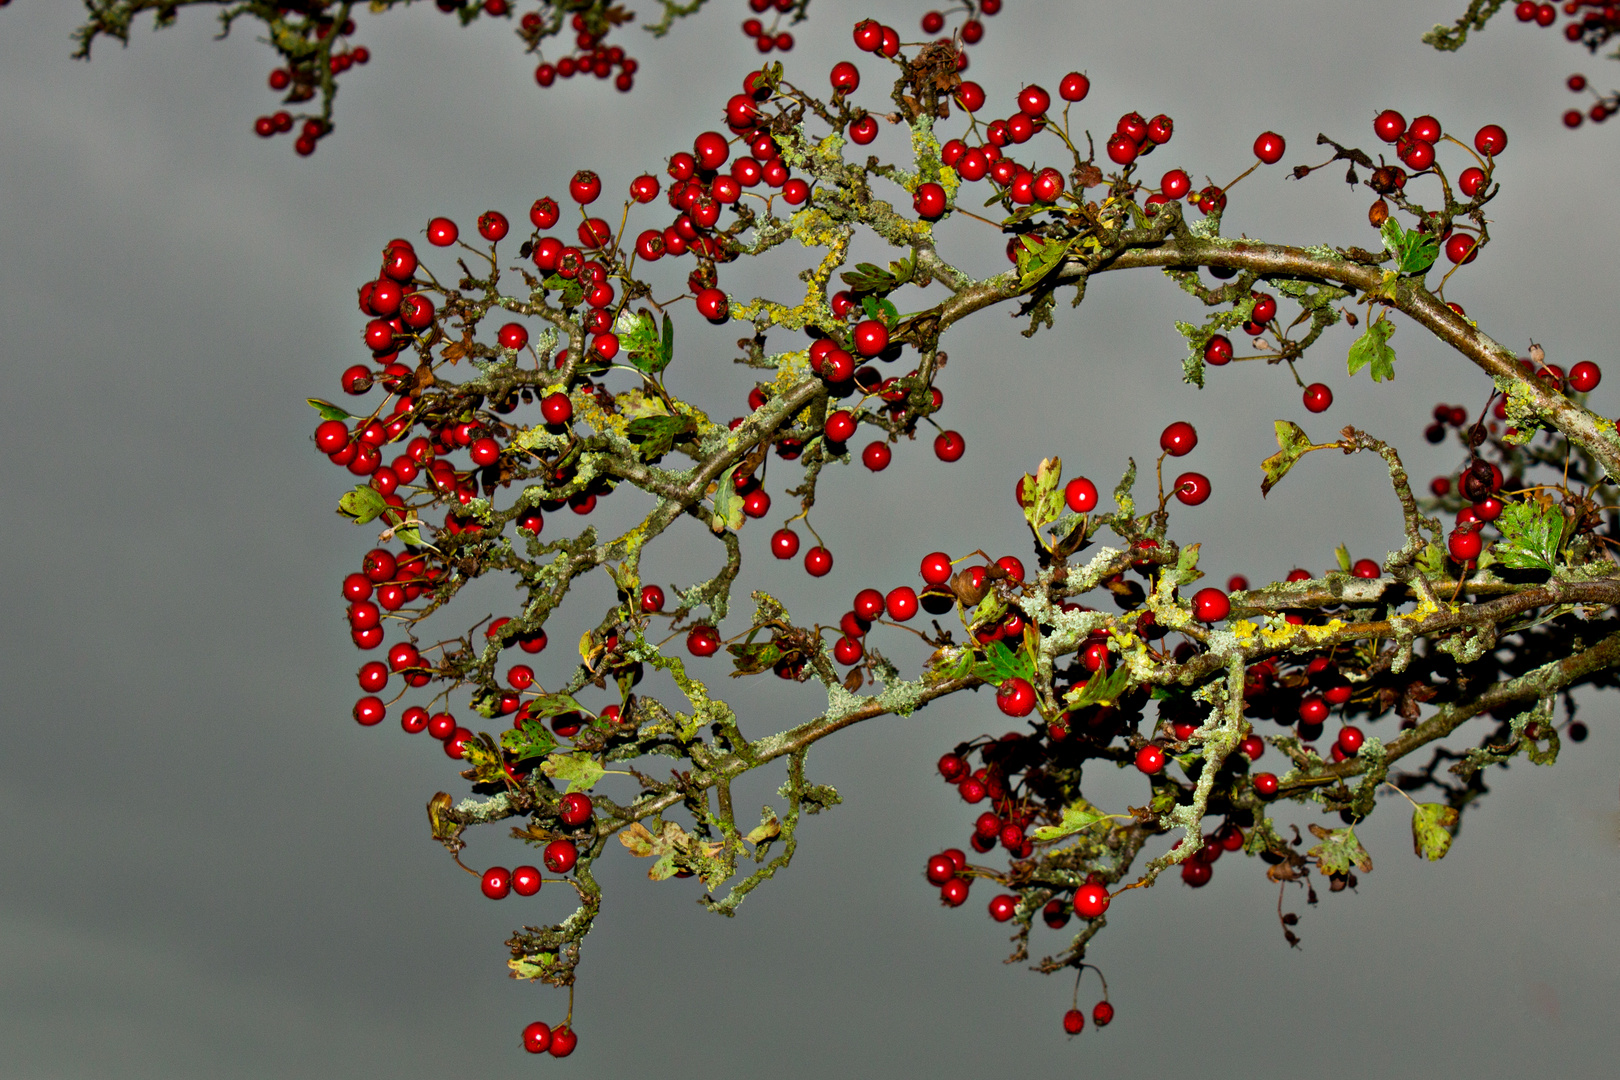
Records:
x=728, y=505
x=657, y=434
x=532, y=740
x=363, y=504
x=770, y=827
x=1037, y=258
x=1339, y=850
x=1077, y=816
x=1043, y=501
x=868, y=278
x=547, y=705
x=1186, y=570
x=1414, y=252
x=1432, y=560
x=881, y=310
x=328, y=410
x=580, y=770
x=666, y=343
x=754, y=657
x=1292, y=444
x=1432, y=824
x=1001, y=663
x=947, y=663
x=572, y=292
x=1103, y=688
x=1342, y=553
x=1372, y=347
x=1531, y=536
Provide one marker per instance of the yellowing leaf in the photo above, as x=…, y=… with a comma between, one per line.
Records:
x=1432, y=824
x=1077, y=815
x=580, y=770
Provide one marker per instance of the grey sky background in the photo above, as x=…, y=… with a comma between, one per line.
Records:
x=210, y=870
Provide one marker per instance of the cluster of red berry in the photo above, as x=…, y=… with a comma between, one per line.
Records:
x=593, y=58
x=1591, y=23
x=773, y=37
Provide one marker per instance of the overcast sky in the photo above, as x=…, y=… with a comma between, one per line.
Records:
x=210, y=870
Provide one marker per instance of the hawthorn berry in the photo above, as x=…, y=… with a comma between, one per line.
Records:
x=1102, y=1014
x=556, y=408
x=496, y=882
x=1003, y=907
x=537, y=1037
x=847, y=650
x=703, y=641
x=940, y=869
x=970, y=95
x=1314, y=709
x=442, y=232
x=1178, y=439
x=929, y=201
x=1269, y=147
x=1016, y=697
x=1122, y=150
x=784, y=543
x=1464, y=544
x=1252, y=747
x=1192, y=488
x=818, y=561
x=1074, y=1021
x=1318, y=397
x=369, y=711
x=560, y=856
x=1033, y=100
x=1218, y=350
x=1389, y=125
x=526, y=880
x=1471, y=181
x=1150, y=759
x=710, y=150
x=877, y=455
x=563, y=1041
x=574, y=809
x=1585, y=376
x=713, y=305
x=1080, y=495
x=1074, y=87
x=863, y=131
x=1091, y=900
x=1490, y=140
x=1211, y=605
x=901, y=603
x=954, y=893
x=1265, y=784
x=652, y=599
x=1366, y=568
x=952, y=768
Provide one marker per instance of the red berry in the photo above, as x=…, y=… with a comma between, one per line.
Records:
x=492, y=225
x=970, y=95
x=929, y=201
x=1003, y=907
x=1033, y=101
x=1366, y=568
x=901, y=603
x=1016, y=697
x=1313, y=710
x=1269, y=147
x=1471, y=181
x=1150, y=759
x=442, y=232
x=1389, y=125
x=1122, y=150
x=1426, y=128
x=563, y=1041
x=711, y=150
x=1252, y=747
x=574, y=809
x=1464, y=544
x=560, y=856
x=1192, y=488
x=1490, y=140
x=703, y=641
x=876, y=456
x=557, y=408
x=712, y=305
x=1080, y=495
x=1585, y=376
x=784, y=543
x=526, y=880
x=1074, y=1021
x=936, y=568
x=863, y=131
x=369, y=711
x=818, y=561
x=949, y=446
x=496, y=882
x=954, y=893
x=871, y=337
x=1074, y=87
x=940, y=870
x=1178, y=439
x=1350, y=740
x=846, y=77
x=1091, y=900
x=652, y=599
x=847, y=650
x=537, y=1038
x=1102, y=1014
x=1211, y=605
x=1218, y=350
x=1266, y=784
x=1318, y=397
